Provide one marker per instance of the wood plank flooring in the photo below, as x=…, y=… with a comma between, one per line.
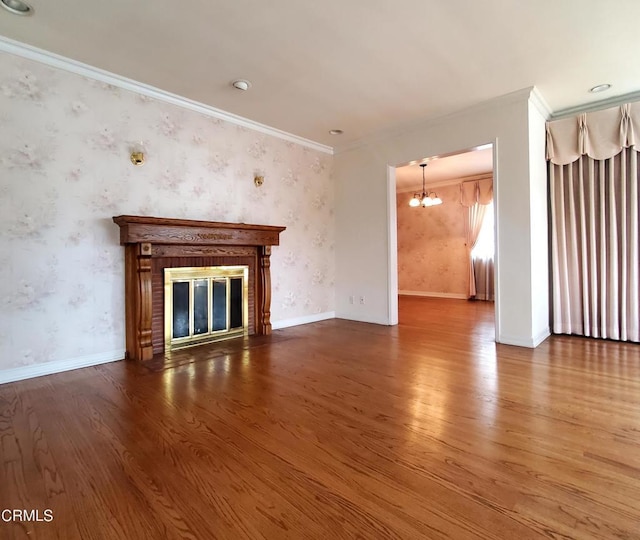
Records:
x=332, y=430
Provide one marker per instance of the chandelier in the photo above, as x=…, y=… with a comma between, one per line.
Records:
x=425, y=198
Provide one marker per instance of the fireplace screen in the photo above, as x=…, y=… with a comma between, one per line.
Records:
x=205, y=304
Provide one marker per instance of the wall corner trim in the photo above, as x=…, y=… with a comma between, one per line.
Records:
x=85, y=70
x=58, y=366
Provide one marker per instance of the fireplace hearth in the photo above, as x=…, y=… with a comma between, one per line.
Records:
x=153, y=245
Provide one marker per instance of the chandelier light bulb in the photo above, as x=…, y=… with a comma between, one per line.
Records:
x=414, y=201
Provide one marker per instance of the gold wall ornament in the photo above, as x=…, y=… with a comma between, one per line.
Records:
x=258, y=180
x=137, y=158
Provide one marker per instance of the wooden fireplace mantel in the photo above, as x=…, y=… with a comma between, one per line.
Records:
x=149, y=238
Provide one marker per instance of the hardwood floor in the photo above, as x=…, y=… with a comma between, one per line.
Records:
x=335, y=429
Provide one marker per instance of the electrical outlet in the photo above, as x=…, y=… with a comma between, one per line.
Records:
x=362, y=300
x=351, y=299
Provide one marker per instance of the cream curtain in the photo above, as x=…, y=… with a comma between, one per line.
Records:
x=475, y=196
x=593, y=180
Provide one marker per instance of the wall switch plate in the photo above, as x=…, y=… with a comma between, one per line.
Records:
x=362, y=300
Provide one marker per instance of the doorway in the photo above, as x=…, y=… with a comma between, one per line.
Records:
x=435, y=199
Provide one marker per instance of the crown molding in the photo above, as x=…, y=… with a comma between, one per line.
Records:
x=596, y=105
x=73, y=66
x=540, y=103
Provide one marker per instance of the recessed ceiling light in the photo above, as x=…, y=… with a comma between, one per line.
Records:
x=240, y=84
x=18, y=7
x=336, y=132
x=600, y=88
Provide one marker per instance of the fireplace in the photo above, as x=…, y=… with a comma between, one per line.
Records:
x=155, y=247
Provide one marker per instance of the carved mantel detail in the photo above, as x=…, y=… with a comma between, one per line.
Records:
x=149, y=238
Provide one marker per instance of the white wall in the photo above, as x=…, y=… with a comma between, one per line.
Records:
x=65, y=171
x=364, y=253
x=539, y=226
x=363, y=236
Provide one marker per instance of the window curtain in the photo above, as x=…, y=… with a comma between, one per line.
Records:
x=484, y=279
x=475, y=196
x=482, y=257
x=593, y=183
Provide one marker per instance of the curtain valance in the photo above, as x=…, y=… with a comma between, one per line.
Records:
x=477, y=191
x=600, y=134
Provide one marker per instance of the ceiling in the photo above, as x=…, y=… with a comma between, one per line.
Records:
x=443, y=169
x=360, y=66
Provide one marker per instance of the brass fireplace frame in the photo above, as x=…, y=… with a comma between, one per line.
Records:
x=190, y=275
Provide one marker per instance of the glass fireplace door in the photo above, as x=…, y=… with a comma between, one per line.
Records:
x=205, y=304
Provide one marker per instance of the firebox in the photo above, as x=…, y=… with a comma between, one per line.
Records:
x=204, y=304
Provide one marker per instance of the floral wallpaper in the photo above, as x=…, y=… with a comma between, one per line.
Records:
x=65, y=171
x=432, y=256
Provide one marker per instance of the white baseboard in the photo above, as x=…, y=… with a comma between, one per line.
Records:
x=363, y=317
x=457, y=296
x=49, y=368
x=296, y=321
x=530, y=343
x=518, y=342
x=546, y=332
